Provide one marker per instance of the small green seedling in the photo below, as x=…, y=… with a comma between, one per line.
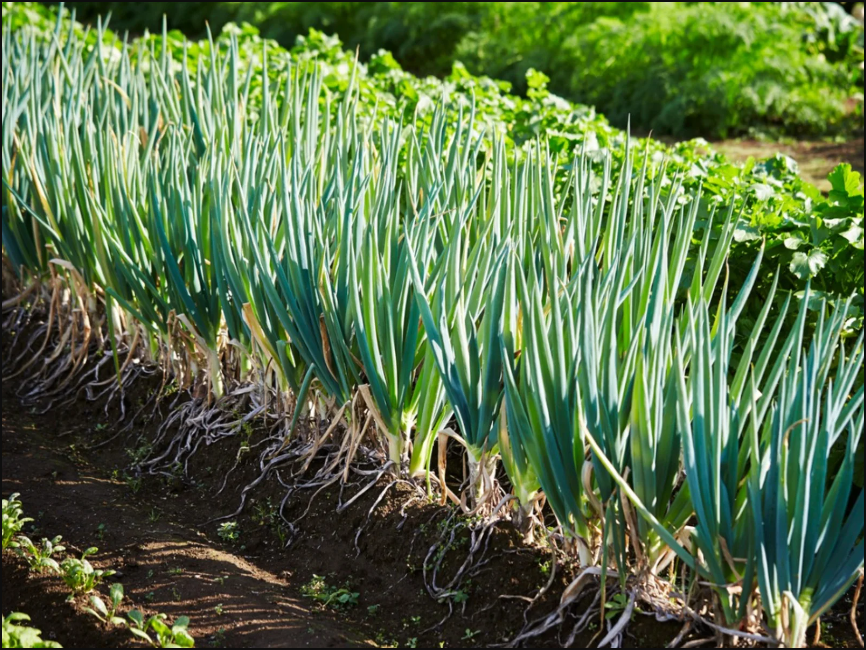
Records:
x=107, y=613
x=470, y=634
x=615, y=605
x=460, y=596
x=157, y=633
x=133, y=482
x=79, y=575
x=39, y=557
x=229, y=531
x=13, y=521
x=20, y=636
x=329, y=596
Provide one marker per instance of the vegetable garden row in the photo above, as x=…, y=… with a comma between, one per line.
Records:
x=657, y=349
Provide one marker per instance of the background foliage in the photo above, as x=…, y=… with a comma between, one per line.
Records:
x=229, y=194
x=683, y=68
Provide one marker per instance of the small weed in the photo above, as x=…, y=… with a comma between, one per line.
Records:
x=175, y=571
x=218, y=609
x=100, y=532
x=282, y=533
x=139, y=454
x=229, y=532
x=132, y=482
x=384, y=642
x=615, y=605
x=154, y=515
x=329, y=596
x=470, y=634
x=175, y=594
x=372, y=610
x=544, y=565
x=460, y=596
x=246, y=435
x=268, y=514
x=175, y=476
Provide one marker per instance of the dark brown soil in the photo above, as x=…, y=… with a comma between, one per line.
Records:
x=250, y=592
x=168, y=565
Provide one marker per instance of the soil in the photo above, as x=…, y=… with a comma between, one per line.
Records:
x=72, y=467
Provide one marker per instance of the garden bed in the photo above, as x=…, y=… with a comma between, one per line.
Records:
x=252, y=591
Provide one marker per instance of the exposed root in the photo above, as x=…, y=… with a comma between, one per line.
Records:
x=199, y=423
x=17, y=322
x=614, y=635
x=571, y=594
x=687, y=627
x=853, y=615
x=541, y=592
x=343, y=506
x=265, y=472
x=10, y=303
x=473, y=564
x=378, y=501
x=757, y=638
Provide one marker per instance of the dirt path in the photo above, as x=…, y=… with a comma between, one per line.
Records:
x=166, y=565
